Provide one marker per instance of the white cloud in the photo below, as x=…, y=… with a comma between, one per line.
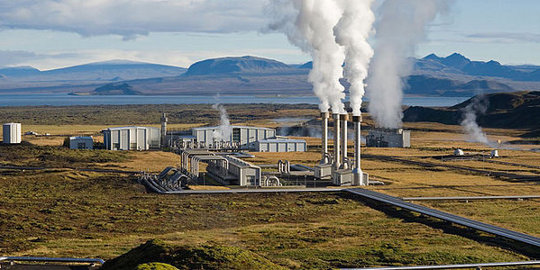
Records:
x=504, y=37
x=130, y=18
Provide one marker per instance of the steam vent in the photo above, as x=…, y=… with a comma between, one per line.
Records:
x=338, y=167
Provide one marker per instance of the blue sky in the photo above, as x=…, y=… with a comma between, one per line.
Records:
x=49, y=34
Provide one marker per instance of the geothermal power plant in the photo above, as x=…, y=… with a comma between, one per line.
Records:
x=341, y=169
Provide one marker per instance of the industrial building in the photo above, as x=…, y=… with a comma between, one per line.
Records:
x=131, y=138
x=389, y=138
x=12, y=133
x=226, y=169
x=257, y=139
x=81, y=142
x=244, y=136
x=238, y=172
x=280, y=145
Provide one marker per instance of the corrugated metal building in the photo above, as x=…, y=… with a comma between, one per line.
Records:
x=243, y=135
x=241, y=172
x=281, y=145
x=82, y=142
x=131, y=138
x=12, y=133
x=388, y=138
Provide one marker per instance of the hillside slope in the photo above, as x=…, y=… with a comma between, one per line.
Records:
x=502, y=110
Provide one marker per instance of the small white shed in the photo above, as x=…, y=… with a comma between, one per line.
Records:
x=12, y=133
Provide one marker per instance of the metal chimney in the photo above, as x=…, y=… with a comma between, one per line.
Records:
x=324, y=150
x=337, y=141
x=163, y=129
x=357, y=171
x=343, y=118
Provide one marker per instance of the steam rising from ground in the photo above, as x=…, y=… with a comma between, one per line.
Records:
x=469, y=124
x=401, y=27
x=352, y=32
x=225, y=128
x=309, y=25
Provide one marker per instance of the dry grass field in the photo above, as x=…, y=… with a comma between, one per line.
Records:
x=62, y=212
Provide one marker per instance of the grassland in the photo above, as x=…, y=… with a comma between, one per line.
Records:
x=65, y=212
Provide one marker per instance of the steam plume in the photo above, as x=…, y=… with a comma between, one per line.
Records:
x=309, y=25
x=352, y=32
x=401, y=27
x=469, y=124
x=225, y=128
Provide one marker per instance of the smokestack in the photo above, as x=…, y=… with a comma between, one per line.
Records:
x=324, y=122
x=163, y=129
x=343, y=118
x=337, y=141
x=357, y=171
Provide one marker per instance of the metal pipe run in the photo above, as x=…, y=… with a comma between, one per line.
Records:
x=471, y=198
x=451, y=266
x=47, y=259
x=337, y=142
x=343, y=118
x=324, y=150
x=357, y=171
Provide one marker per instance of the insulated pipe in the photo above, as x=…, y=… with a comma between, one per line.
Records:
x=337, y=141
x=343, y=118
x=324, y=158
x=357, y=171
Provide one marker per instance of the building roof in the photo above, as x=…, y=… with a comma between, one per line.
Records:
x=217, y=127
x=81, y=138
x=282, y=141
x=129, y=127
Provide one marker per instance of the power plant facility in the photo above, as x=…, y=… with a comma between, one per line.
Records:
x=132, y=138
x=339, y=168
x=12, y=133
x=242, y=136
x=399, y=138
x=257, y=139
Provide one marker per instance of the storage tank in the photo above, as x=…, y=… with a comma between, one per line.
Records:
x=12, y=133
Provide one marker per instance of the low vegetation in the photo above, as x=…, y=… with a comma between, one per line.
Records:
x=55, y=156
x=63, y=212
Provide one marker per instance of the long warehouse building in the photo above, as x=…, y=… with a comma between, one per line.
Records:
x=244, y=136
x=131, y=138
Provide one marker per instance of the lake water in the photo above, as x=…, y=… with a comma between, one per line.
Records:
x=66, y=100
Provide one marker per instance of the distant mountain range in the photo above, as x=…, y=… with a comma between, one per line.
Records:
x=454, y=75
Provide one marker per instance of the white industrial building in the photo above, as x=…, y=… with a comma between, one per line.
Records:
x=12, y=133
x=131, y=138
x=237, y=171
x=388, y=138
x=244, y=136
x=81, y=142
x=280, y=145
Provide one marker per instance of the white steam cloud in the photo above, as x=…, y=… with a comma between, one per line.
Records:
x=469, y=124
x=225, y=128
x=309, y=25
x=352, y=32
x=401, y=27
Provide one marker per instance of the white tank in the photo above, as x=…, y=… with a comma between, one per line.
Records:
x=494, y=153
x=12, y=133
x=458, y=152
